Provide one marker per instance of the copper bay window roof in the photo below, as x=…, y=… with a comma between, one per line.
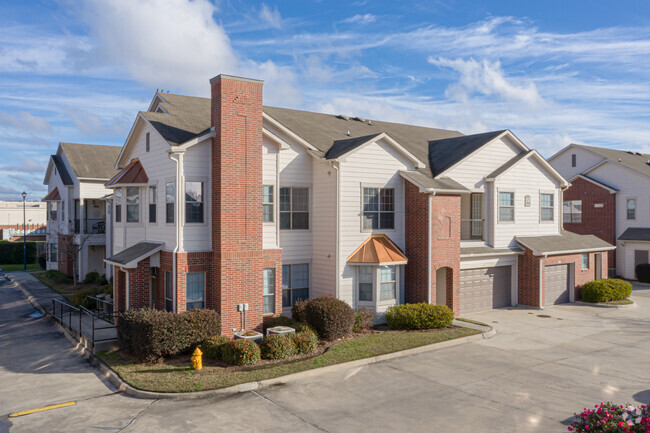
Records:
x=132, y=174
x=378, y=249
x=53, y=195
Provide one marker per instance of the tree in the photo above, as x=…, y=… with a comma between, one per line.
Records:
x=71, y=245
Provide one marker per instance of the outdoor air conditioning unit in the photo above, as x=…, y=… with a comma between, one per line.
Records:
x=281, y=330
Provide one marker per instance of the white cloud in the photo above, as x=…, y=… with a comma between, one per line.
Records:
x=486, y=78
x=360, y=19
x=271, y=17
x=25, y=121
x=26, y=165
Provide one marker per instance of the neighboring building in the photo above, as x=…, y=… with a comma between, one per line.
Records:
x=224, y=203
x=12, y=216
x=77, y=208
x=609, y=197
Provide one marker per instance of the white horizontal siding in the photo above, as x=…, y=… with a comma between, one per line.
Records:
x=324, y=229
x=584, y=160
x=269, y=177
x=527, y=178
x=197, y=167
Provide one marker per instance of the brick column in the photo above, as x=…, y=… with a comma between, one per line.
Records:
x=445, y=246
x=119, y=290
x=237, y=199
x=139, y=285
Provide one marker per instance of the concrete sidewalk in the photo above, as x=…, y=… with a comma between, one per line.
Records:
x=104, y=335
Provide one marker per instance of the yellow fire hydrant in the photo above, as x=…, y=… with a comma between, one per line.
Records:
x=197, y=359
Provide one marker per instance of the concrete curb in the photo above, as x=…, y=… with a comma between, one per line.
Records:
x=590, y=304
x=114, y=378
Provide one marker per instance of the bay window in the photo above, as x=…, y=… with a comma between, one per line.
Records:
x=118, y=205
x=132, y=204
x=152, y=204
x=170, y=198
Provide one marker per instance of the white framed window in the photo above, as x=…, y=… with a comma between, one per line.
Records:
x=631, y=208
x=268, y=291
x=132, y=204
x=194, y=202
x=118, y=205
x=267, y=203
x=53, y=252
x=506, y=206
x=53, y=210
x=152, y=203
x=295, y=284
x=366, y=283
x=378, y=208
x=294, y=208
x=546, y=207
x=169, y=291
x=195, y=290
x=585, y=261
x=572, y=211
x=388, y=283
x=170, y=199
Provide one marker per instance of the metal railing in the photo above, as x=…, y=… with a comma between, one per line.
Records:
x=472, y=229
x=84, y=322
x=92, y=226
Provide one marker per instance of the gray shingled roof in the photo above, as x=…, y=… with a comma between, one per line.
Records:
x=141, y=249
x=91, y=160
x=639, y=162
x=187, y=117
x=564, y=243
x=445, y=152
x=597, y=182
x=62, y=170
x=635, y=234
x=488, y=251
x=341, y=147
x=423, y=177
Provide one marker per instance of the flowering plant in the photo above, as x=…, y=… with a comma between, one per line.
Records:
x=608, y=417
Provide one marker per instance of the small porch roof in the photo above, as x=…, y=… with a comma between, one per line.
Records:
x=129, y=257
x=378, y=249
x=132, y=174
x=563, y=243
x=639, y=234
x=53, y=195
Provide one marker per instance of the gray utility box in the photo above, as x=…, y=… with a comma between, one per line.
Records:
x=281, y=330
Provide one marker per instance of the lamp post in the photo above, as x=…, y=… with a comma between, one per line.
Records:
x=24, y=232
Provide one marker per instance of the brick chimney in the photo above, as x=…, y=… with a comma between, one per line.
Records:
x=237, y=248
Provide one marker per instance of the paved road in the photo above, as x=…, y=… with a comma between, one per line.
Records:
x=529, y=378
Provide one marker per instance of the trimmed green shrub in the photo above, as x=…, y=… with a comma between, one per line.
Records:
x=58, y=277
x=363, y=319
x=11, y=253
x=419, y=316
x=277, y=346
x=608, y=289
x=102, y=280
x=153, y=334
x=643, y=272
x=91, y=278
x=331, y=318
x=303, y=327
x=81, y=296
x=305, y=342
x=279, y=321
x=212, y=346
x=298, y=311
x=240, y=352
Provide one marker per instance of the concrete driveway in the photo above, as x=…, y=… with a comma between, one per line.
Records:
x=531, y=377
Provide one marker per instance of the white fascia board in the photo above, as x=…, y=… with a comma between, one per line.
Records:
x=289, y=132
x=434, y=191
x=153, y=104
x=48, y=171
x=606, y=161
x=392, y=142
x=541, y=160
x=273, y=137
x=196, y=140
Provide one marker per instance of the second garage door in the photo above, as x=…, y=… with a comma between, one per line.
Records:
x=556, y=284
x=485, y=288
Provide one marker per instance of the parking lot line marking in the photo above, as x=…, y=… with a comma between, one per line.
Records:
x=42, y=409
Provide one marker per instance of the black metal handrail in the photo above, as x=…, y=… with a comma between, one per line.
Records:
x=61, y=310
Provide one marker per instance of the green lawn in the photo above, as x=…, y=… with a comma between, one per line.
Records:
x=62, y=288
x=20, y=267
x=177, y=375
x=620, y=302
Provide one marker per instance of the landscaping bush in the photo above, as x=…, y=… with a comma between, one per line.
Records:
x=643, y=272
x=363, y=319
x=609, y=417
x=153, y=334
x=331, y=318
x=42, y=261
x=91, y=278
x=280, y=321
x=240, y=352
x=212, y=346
x=80, y=297
x=103, y=281
x=277, y=346
x=58, y=277
x=419, y=316
x=306, y=341
x=609, y=289
x=298, y=311
x=11, y=253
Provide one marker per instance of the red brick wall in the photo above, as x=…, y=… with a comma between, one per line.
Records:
x=166, y=264
x=600, y=222
x=237, y=200
x=529, y=281
x=139, y=285
x=445, y=245
x=119, y=290
x=193, y=262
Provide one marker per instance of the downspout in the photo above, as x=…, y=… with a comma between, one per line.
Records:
x=276, y=196
x=338, y=236
x=127, y=288
x=541, y=278
x=176, y=216
x=429, y=248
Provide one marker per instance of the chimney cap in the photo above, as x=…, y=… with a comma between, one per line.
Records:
x=234, y=78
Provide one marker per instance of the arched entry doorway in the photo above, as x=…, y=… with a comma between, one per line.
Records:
x=441, y=286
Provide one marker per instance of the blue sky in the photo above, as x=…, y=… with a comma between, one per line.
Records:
x=553, y=72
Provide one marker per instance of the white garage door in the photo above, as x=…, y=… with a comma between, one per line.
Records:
x=485, y=288
x=556, y=284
